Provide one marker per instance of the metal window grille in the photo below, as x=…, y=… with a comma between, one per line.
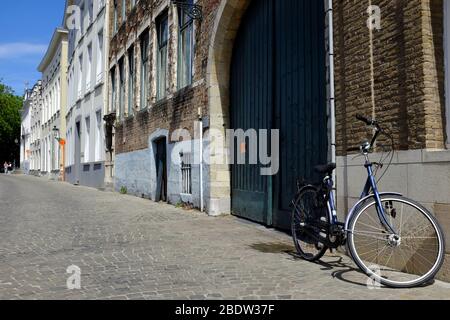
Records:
x=186, y=173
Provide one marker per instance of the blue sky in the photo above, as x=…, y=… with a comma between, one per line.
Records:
x=26, y=28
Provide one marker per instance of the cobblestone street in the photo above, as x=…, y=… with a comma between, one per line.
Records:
x=131, y=248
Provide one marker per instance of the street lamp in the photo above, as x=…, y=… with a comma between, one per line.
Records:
x=62, y=144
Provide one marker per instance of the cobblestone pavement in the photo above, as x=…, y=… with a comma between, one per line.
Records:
x=131, y=248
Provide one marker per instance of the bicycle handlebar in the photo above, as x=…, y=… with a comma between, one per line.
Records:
x=369, y=122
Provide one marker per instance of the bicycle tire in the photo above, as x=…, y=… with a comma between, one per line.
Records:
x=298, y=234
x=403, y=260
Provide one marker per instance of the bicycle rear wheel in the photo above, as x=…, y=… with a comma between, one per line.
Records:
x=308, y=221
x=409, y=260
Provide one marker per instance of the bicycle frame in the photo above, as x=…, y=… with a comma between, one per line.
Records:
x=370, y=191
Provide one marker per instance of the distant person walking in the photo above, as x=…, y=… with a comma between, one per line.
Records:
x=5, y=167
x=10, y=168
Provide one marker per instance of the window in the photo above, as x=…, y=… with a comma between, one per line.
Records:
x=89, y=68
x=124, y=10
x=80, y=75
x=161, y=72
x=51, y=104
x=99, y=74
x=113, y=89
x=144, y=69
x=186, y=173
x=82, y=18
x=447, y=65
x=98, y=137
x=115, y=17
x=91, y=10
x=131, y=80
x=101, y=3
x=87, y=138
x=185, y=48
x=121, y=88
x=58, y=95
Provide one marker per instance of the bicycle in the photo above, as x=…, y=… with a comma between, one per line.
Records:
x=393, y=240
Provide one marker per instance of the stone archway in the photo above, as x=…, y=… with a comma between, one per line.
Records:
x=226, y=26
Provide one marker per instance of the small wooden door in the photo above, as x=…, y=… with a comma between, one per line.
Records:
x=161, y=170
x=77, y=164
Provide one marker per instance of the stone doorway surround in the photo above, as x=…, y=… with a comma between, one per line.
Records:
x=226, y=25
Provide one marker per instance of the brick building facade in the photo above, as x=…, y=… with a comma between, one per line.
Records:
x=143, y=118
x=395, y=73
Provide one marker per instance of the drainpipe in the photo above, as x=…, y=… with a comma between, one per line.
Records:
x=329, y=10
x=200, y=121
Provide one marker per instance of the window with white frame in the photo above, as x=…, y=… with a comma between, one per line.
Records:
x=80, y=75
x=121, y=88
x=89, y=67
x=101, y=3
x=131, y=75
x=113, y=89
x=58, y=95
x=163, y=41
x=99, y=73
x=91, y=11
x=98, y=137
x=115, y=22
x=87, y=139
x=447, y=65
x=144, y=43
x=82, y=18
x=124, y=10
x=51, y=104
x=185, y=47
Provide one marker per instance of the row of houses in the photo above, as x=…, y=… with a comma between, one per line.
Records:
x=142, y=95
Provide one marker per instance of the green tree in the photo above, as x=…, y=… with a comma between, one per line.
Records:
x=10, y=106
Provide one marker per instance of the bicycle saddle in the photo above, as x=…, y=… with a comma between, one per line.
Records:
x=327, y=168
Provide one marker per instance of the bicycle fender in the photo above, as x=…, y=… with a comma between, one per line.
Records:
x=353, y=211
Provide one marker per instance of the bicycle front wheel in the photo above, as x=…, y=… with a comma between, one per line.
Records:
x=410, y=258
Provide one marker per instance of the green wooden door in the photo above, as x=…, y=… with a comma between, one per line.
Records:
x=278, y=82
x=252, y=101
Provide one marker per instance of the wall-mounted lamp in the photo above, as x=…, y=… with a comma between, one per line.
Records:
x=109, y=119
x=194, y=11
x=56, y=133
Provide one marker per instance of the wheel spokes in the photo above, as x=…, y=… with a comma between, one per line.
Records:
x=408, y=258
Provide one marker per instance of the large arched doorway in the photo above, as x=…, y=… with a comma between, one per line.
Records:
x=278, y=81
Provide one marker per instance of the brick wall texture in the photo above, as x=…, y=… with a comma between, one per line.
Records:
x=180, y=109
x=408, y=70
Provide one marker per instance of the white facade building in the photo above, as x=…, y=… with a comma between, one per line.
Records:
x=54, y=73
x=35, y=136
x=86, y=98
x=25, y=132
